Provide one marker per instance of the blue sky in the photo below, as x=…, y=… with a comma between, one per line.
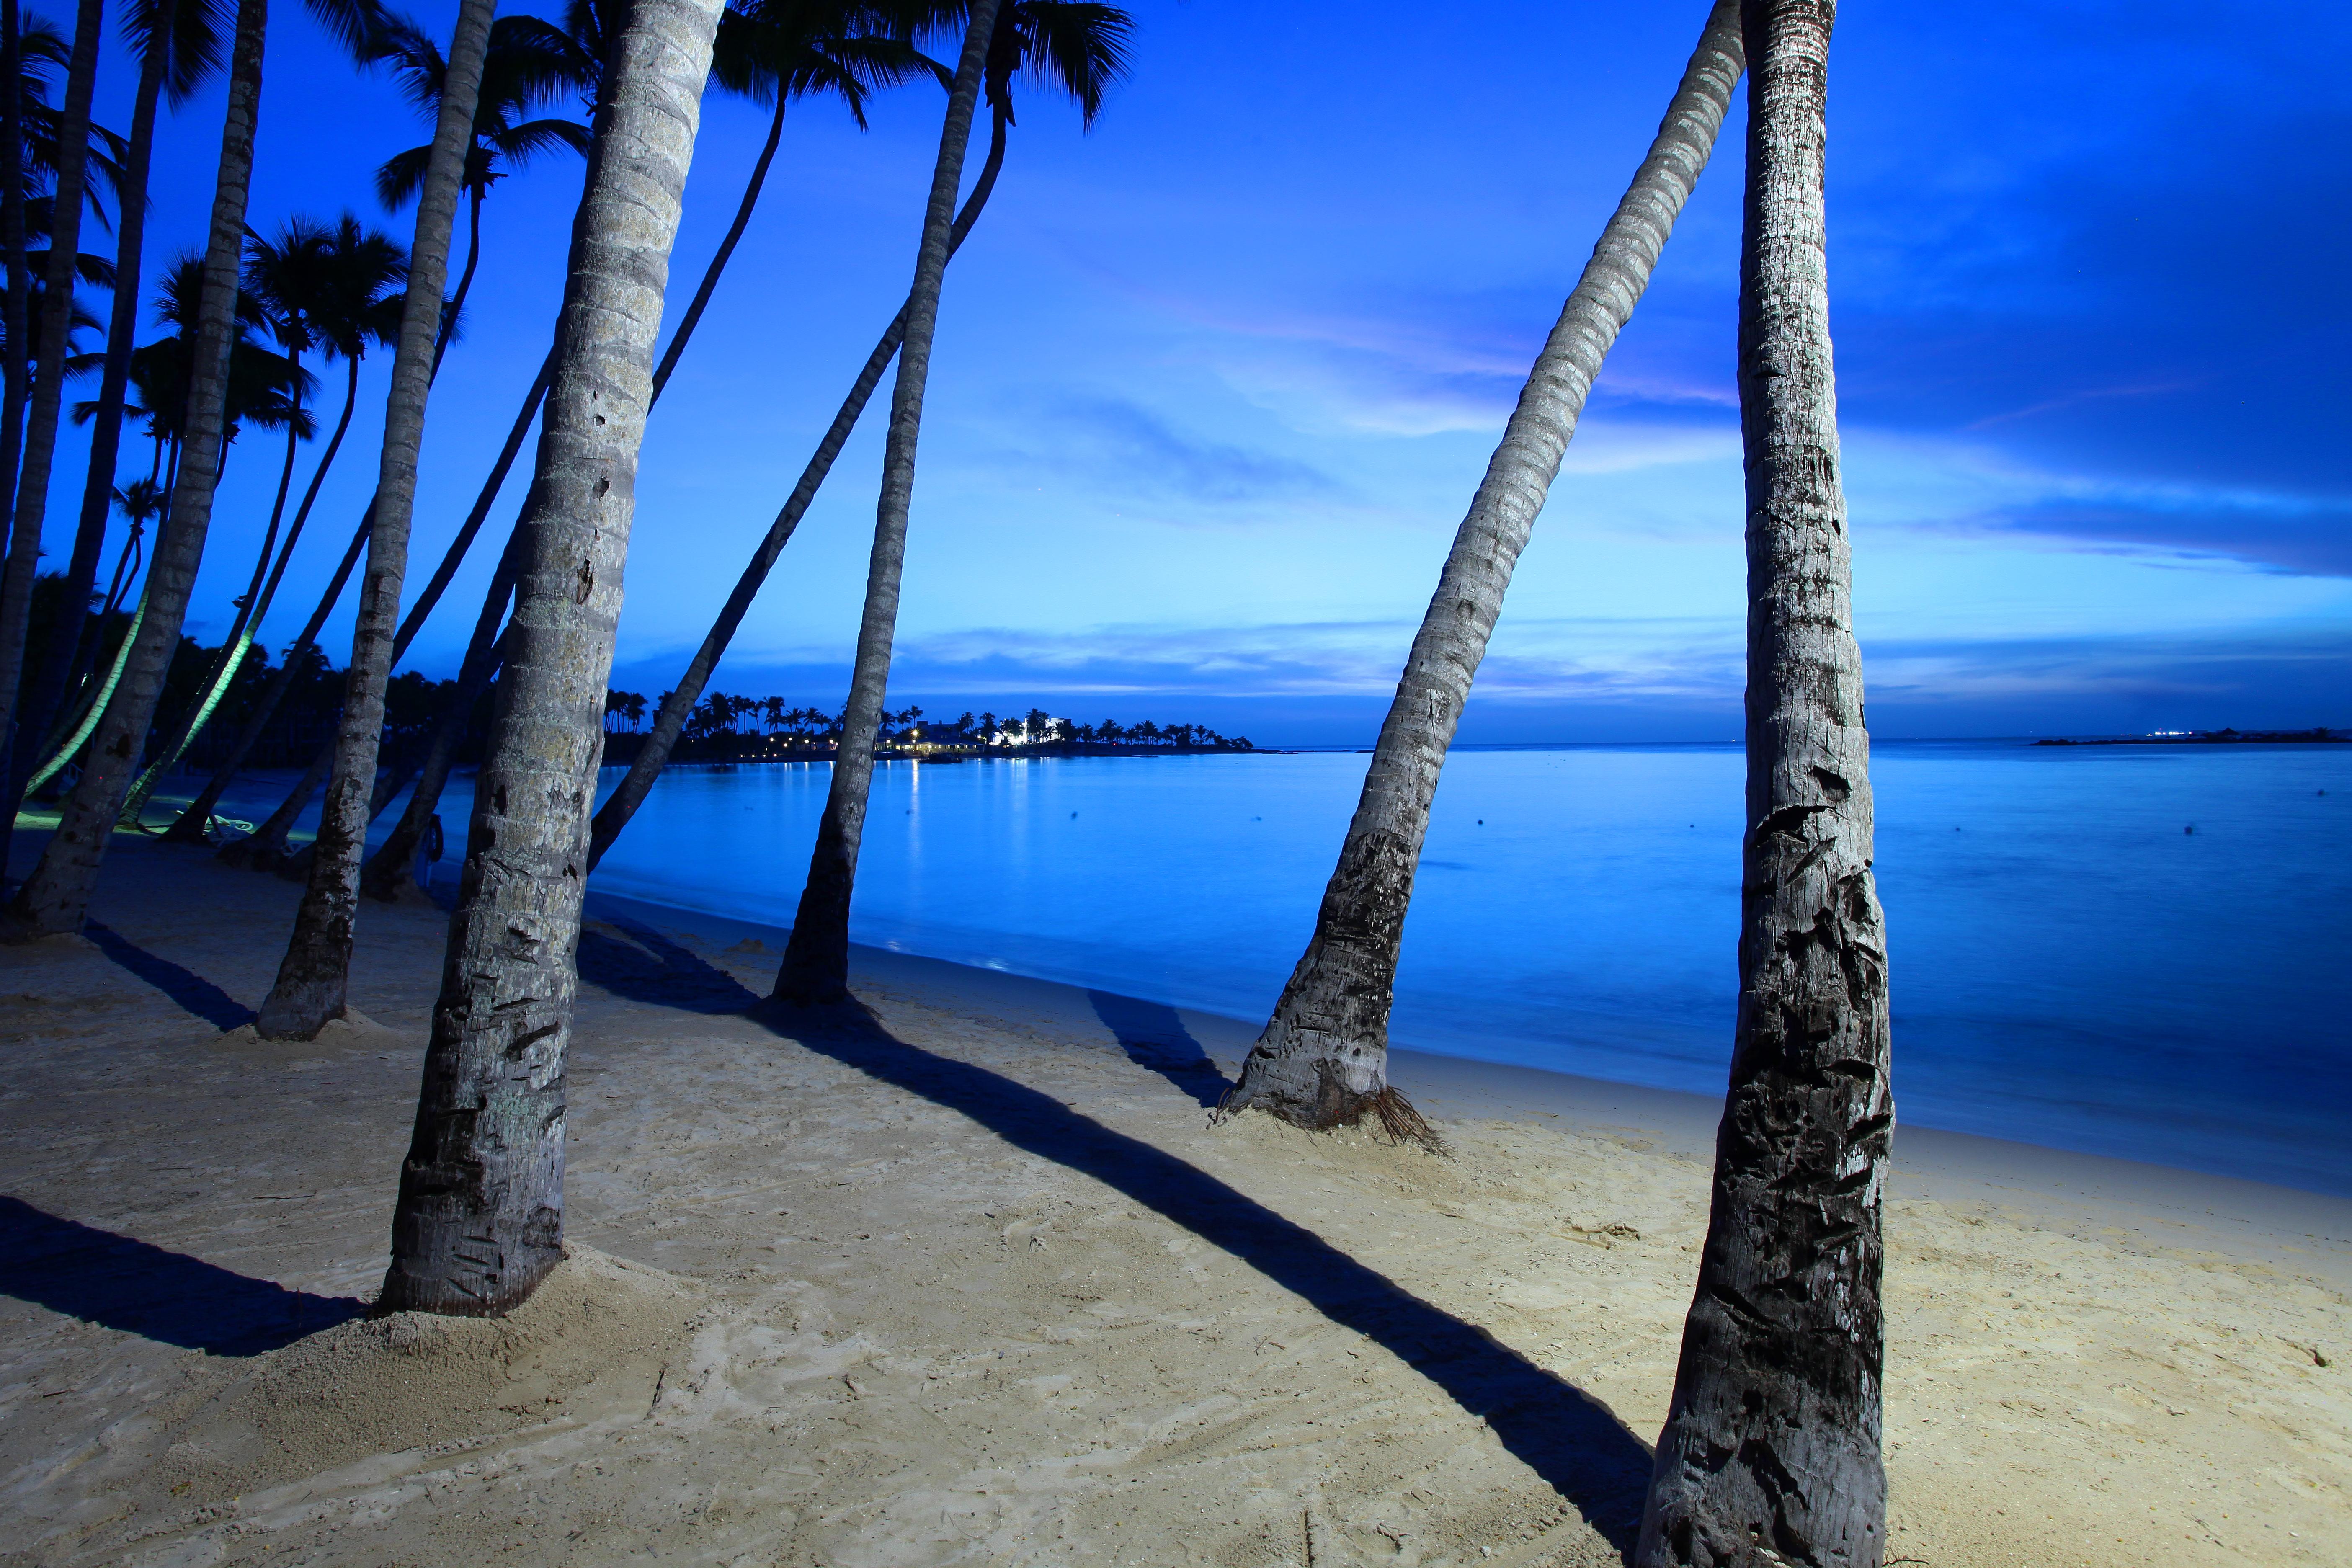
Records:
x=1214, y=382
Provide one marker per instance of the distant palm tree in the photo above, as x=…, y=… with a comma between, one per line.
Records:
x=480, y=1220
x=1774, y=1430
x=56, y=896
x=334, y=291
x=1322, y=1058
x=531, y=63
x=1082, y=49
x=314, y=977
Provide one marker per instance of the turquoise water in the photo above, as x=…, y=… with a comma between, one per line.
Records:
x=2070, y=966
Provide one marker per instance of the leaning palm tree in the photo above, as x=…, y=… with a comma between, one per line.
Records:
x=815, y=969
x=328, y=290
x=314, y=977
x=1322, y=1060
x=56, y=898
x=46, y=341
x=480, y=1215
x=16, y=311
x=179, y=44
x=530, y=63
x=1772, y=1435
x=1074, y=46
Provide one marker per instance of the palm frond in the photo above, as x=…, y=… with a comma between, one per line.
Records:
x=518, y=144
x=1077, y=46
x=401, y=176
x=193, y=34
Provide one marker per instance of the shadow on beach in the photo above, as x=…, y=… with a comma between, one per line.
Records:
x=1572, y=1440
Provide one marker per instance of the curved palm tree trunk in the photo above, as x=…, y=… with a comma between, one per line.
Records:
x=480, y=1216
x=1322, y=1060
x=448, y=321
x=68, y=652
x=390, y=872
x=241, y=630
x=56, y=896
x=694, y=310
x=314, y=975
x=815, y=969
x=266, y=843
x=670, y=723
x=261, y=851
x=40, y=437
x=63, y=753
x=1772, y=1435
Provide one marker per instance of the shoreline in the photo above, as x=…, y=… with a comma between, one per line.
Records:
x=980, y=1282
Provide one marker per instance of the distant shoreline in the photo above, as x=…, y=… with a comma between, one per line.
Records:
x=2217, y=738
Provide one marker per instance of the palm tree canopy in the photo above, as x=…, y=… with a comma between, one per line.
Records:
x=333, y=290
x=794, y=49
x=531, y=63
x=266, y=389
x=1077, y=46
x=42, y=54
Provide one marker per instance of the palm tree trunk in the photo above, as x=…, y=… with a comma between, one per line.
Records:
x=314, y=975
x=241, y=631
x=388, y=872
x=448, y=317
x=1322, y=1060
x=815, y=969
x=1773, y=1432
x=261, y=843
x=16, y=307
x=189, y=826
x=694, y=310
x=258, y=850
x=670, y=723
x=47, y=395
x=86, y=722
x=480, y=1216
x=66, y=665
x=56, y=896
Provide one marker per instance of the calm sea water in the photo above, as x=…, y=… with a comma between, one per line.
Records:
x=2071, y=966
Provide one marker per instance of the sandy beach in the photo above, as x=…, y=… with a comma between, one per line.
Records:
x=980, y=1283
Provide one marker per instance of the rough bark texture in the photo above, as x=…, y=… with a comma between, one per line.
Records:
x=480, y=1216
x=48, y=391
x=1770, y=1452
x=815, y=970
x=670, y=723
x=56, y=897
x=1322, y=1059
x=315, y=974
x=67, y=663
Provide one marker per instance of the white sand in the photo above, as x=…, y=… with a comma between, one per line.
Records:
x=987, y=1288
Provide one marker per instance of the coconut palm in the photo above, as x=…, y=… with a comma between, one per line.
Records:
x=313, y=977
x=773, y=52
x=1076, y=48
x=56, y=896
x=531, y=63
x=1322, y=1059
x=331, y=291
x=815, y=969
x=480, y=1218
x=1774, y=1431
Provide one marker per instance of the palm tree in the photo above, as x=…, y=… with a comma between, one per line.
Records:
x=179, y=46
x=773, y=52
x=16, y=355
x=46, y=398
x=480, y=1218
x=1322, y=1060
x=329, y=290
x=1078, y=46
x=56, y=896
x=530, y=63
x=1774, y=1431
x=815, y=969
x=313, y=978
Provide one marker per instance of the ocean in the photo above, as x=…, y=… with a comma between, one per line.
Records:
x=2140, y=951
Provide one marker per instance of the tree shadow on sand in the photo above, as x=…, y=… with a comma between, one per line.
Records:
x=184, y=987
x=121, y=1283
x=1154, y=1037
x=1572, y=1440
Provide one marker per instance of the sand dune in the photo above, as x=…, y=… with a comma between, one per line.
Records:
x=980, y=1284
